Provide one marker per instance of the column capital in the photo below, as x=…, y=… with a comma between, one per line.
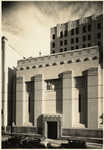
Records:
x=37, y=78
x=19, y=79
x=66, y=75
x=91, y=72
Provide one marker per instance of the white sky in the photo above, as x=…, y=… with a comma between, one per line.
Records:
x=27, y=25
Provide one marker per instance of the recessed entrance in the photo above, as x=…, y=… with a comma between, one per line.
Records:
x=52, y=130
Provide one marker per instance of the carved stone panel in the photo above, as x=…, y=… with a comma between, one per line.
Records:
x=79, y=82
x=52, y=84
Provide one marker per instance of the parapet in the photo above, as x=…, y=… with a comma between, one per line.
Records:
x=69, y=57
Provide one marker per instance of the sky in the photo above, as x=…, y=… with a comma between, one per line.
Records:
x=27, y=24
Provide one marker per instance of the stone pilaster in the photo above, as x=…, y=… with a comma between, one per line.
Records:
x=38, y=96
x=19, y=101
x=92, y=95
x=67, y=98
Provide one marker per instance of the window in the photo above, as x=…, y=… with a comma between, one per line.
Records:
x=53, y=36
x=66, y=33
x=72, y=40
x=72, y=31
x=84, y=29
x=98, y=35
x=84, y=38
x=77, y=30
x=77, y=40
x=89, y=27
x=53, y=45
x=61, y=43
x=61, y=34
x=84, y=45
x=77, y=47
x=79, y=102
x=65, y=42
x=89, y=45
x=99, y=26
x=72, y=48
x=89, y=37
x=98, y=43
x=61, y=50
x=53, y=51
x=65, y=49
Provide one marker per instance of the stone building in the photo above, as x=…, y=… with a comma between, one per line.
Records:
x=81, y=33
x=61, y=94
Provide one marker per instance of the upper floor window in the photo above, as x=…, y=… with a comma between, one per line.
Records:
x=98, y=43
x=84, y=45
x=77, y=40
x=53, y=51
x=61, y=50
x=61, y=43
x=98, y=35
x=89, y=27
x=89, y=45
x=53, y=45
x=77, y=30
x=84, y=29
x=77, y=47
x=61, y=34
x=65, y=49
x=72, y=31
x=89, y=37
x=72, y=48
x=84, y=38
x=65, y=42
x=72, y=40
x=53, y=36
x=99, y=26
x=66, y=33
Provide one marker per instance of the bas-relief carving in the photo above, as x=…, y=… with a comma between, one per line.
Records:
x=67, y=75
x=92, y=72
x=29, y=86
x=38, y=78
x=19, y=80
x=52, y=84
x=79, y=82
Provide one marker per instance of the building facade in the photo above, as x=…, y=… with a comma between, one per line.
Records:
x=61, y=94
x=81, y=33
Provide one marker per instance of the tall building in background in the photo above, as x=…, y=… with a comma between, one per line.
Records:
x=77, y=34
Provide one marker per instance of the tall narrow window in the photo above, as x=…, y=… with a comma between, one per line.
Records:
x=66, y=33
x=89, y=27
x=29, y=105
x=84, y=29
x=72, y=31
x=77, y=30
x=79, y=102
x=53, y=36
x=61, y=34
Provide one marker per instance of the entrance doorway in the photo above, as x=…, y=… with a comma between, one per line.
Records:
x=52, y=130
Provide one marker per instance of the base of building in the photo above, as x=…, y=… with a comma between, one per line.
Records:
x=26, y=130
x=98, y=133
